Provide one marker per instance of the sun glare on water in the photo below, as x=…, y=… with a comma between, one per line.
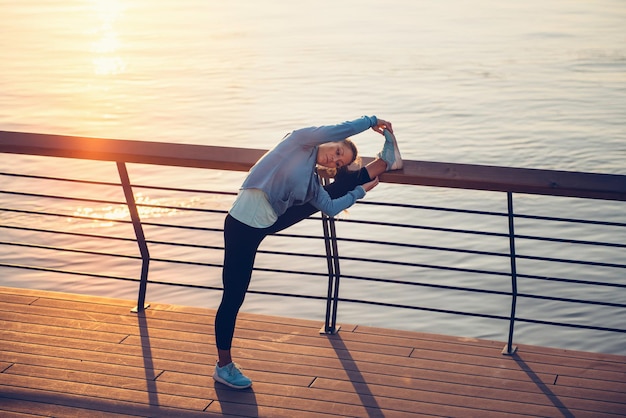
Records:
x=106, y=60
x=147, y=207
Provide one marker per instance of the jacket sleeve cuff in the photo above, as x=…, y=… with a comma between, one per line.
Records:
x=373, y=120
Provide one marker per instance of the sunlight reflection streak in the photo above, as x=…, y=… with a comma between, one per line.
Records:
x=106, y=216
x=106, y=61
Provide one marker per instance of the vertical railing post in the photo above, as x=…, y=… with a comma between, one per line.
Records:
x=141, y=239
x=332, y=261
x=510, y=349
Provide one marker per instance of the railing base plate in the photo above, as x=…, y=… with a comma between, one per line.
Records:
x=136, y=308
x=506, y=352
x=331, y=331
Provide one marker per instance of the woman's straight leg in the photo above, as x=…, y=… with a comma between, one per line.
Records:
x=240, y=246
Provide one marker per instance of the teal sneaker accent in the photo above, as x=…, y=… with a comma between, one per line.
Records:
x=390, y=152
x=231, y=376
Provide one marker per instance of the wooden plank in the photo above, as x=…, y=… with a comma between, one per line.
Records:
x=205, y=371
x=193, y=364
x=166, y=319
x=563, y=366
x=172, y=315
x=102, y=388
x=100, y=348
x=135, y=366
x=121, y=326
x=87, y=303
x=176, y=338
x=256, y=377
x=253, y=410
x=168, y=355
x=65, y=296
x=12, y=414
x=473, y=400
x=287, y=378
x=608, y=387
x=561, y=352
x=16, y=299
x=158, y=326
x=5, y=364
x=314, y=341
x=288, y=343
x=269, y=392
x=207, y=316
x=317, y=355
x=46, y=401
x=30, y=329
x=507, y=400
x=263, y=361
x=109, y=361
x=174, y=395
x=58, y=362
x=287, y=407
x=421, y=340
x=205, y=379
x=26, y=405
x=514, y=362
x=412, y=338
x=364, y=406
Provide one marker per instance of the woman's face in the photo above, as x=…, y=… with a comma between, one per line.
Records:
x=334, y=154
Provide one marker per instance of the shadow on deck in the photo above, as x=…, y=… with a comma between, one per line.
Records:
x=73, y=355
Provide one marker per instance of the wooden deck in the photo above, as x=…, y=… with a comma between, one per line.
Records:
x=69, y=355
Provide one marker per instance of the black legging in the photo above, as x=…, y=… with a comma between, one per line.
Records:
x=240, y=246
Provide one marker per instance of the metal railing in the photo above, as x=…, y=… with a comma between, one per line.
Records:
x=509, y=181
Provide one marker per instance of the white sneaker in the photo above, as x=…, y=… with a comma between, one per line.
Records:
x=231, y=376
x=390, y=152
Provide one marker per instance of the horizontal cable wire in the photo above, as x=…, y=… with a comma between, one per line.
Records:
x=568, y=261
x=357, y=259
x=573, y=281
x=105, y=183
x=77, y=199
x=68, y=250
x=457, y=288
x=388, y=204
x=68, y=233
x=477, y=212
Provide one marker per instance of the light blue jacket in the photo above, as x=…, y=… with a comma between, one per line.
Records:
x=287, y=173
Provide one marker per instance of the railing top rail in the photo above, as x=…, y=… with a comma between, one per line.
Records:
x=424, y=173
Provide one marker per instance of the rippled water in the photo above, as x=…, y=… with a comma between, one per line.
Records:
x=526, y=84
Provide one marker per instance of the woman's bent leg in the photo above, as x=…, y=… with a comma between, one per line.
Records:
x=344, y=183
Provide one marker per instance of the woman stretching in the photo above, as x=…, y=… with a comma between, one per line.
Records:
x=280, y=190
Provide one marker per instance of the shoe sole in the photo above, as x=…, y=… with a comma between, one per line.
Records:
x=230, y=385
x=396, y=153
